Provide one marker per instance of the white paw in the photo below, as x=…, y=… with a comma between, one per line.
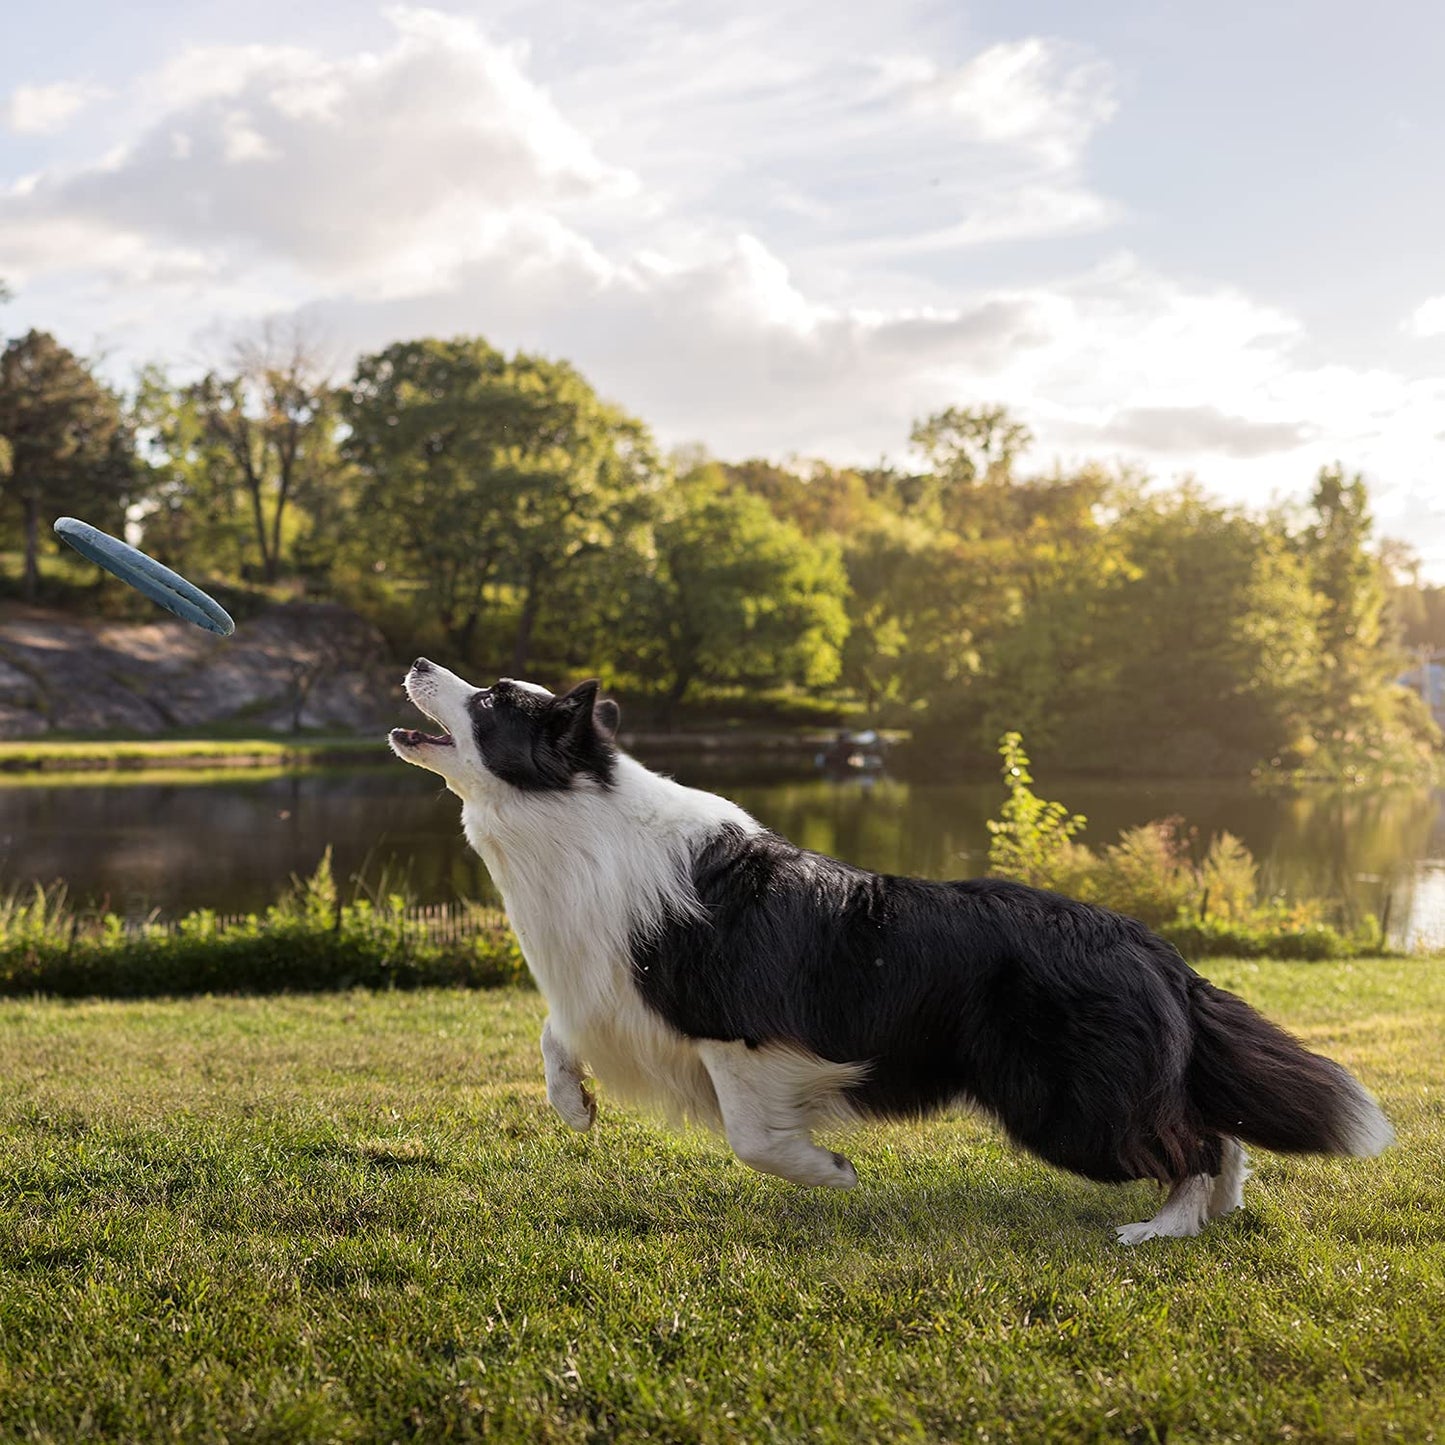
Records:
x=577, y=1106
x=1136, y=1233
x=1157, y=1229
x=832, y=1171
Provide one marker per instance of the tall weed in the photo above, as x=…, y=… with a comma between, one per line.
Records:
x=1210, y=906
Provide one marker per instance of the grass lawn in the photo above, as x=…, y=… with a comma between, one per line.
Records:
x=353, y=1217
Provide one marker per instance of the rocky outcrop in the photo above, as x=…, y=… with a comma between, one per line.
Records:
x=302, y=666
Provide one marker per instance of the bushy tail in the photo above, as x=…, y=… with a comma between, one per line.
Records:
x=1250, y=1079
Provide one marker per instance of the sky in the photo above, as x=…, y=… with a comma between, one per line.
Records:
x=1205, y=241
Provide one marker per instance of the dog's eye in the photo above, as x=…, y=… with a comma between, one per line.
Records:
x=482, y=697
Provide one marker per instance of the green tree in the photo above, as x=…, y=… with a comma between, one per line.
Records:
x=822, y=500
x=580, y=471
x=481, y=471
x=735, y=596
x=1362, y=725
x=267, y=433
x=1205, y=652
x=7, y=455
x=424, y=422
x=970, y=444
x=69, y=447
x=192, y=510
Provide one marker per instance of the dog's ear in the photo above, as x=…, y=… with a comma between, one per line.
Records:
x=578, y=702
x=579, y=706
x=608, y=717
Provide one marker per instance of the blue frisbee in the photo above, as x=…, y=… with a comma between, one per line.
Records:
x=146, y=575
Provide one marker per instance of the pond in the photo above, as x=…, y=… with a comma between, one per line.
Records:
x=231, y=842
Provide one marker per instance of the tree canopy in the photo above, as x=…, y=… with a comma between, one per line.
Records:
x=496, y=507
x=67, y=445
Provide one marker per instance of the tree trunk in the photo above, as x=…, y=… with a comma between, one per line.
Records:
x=275, y=566
x=671, y=699
x=268, y=563
x=460, y=634
x=32, y=566
x=531, y=605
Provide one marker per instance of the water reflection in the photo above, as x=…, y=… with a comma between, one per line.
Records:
x=229, y=843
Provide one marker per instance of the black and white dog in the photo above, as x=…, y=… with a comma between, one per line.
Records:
x=692, y=959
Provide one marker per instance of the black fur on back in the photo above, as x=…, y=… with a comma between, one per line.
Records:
x=542, y=742
x=1076, y=1027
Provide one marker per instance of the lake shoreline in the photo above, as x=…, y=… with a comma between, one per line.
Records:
x=82, y=755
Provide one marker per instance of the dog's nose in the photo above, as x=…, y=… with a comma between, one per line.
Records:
x=421, y=665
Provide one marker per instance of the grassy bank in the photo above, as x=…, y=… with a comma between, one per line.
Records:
x=320, y=935
x=312, y=938
x=353, y=1217
x=78, y=755
x=50, y=758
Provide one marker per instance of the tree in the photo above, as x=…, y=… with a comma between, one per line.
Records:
x=483, y=472
x=581, y=471
x=969, y=444
x=1206, y=650
x=190, y=503
x=69, y=448
x=735, y=595
x=422, y=429
x=1363, y=725
x=269, y=417
x=822, y=500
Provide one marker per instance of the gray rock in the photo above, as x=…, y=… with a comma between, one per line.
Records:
x=296, y=666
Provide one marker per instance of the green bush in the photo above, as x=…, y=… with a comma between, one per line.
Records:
x=309, y=940
x=1032, y=840
x=1147, y=873
x=1208, y=908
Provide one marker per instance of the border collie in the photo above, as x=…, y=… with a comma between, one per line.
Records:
x=695, y=961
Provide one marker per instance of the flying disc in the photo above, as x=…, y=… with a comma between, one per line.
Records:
x=146, y=575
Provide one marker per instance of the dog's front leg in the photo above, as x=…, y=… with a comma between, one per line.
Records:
x=758, y=1092
x=566, y=1092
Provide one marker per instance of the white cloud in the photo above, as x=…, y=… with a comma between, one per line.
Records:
x=363, y=170
x=44, y=109
x=1003, y=137
x=707, y=263
x=1032, y=93
x=1428, y=318
x=1168, y=430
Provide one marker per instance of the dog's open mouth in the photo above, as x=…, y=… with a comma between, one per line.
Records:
x=414, y=738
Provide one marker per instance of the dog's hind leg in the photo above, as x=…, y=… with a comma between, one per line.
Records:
x=1227, y=1192
x=1182, y=1217
x=1196, y=1199
x=767, y=1097
x=566, y=1092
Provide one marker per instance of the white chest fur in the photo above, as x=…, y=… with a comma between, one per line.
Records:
x=580, y=873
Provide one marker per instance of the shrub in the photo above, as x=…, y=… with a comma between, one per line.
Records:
x=1147, y=873
x=1032, y=840
x=1208, y=908
x=310, y=939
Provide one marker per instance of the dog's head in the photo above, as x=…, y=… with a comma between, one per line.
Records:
x=513, y=733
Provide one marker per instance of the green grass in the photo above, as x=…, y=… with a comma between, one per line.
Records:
x=353, y=1217
x=66, y=755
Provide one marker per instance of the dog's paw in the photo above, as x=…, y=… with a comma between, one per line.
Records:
x=1136, y=1233
x=827, y=1170
x=577, y=1106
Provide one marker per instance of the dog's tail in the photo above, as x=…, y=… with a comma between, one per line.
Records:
x=1250, y=1079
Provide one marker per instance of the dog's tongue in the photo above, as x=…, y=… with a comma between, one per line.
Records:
x=414, y=736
